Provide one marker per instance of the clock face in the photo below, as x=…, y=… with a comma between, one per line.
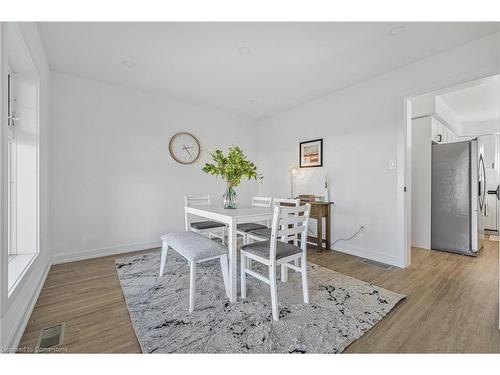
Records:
x=184, y=148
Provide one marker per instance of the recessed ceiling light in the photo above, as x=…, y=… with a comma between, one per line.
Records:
x=397, y=30
x=244, y=50
x=129, y=64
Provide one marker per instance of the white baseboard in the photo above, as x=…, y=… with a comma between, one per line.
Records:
x=370, y=254
x=17, y=335
x=106, y=251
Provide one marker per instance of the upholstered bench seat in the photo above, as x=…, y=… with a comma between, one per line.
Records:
x=196, y=249
x=193, y=246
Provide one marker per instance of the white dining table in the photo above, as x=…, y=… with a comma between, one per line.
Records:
x=230, y=217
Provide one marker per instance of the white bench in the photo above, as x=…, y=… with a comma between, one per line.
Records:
x=196, y=249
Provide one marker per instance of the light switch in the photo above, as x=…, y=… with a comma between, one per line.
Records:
x=393, y=164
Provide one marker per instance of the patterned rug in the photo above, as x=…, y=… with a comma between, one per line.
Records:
x=342, y=309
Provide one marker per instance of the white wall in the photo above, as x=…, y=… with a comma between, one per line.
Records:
x=114, y=185
x=447, y=116
x=363, y=127
x=421, y=183
x=16, y=308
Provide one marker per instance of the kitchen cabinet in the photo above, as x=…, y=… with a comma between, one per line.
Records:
x=440, y=133
x=489, y=150
x=434, y=129
x=490, y=215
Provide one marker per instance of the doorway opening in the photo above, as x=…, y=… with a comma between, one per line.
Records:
x=454, y=136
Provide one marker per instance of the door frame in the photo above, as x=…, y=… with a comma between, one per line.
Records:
x=405, y=150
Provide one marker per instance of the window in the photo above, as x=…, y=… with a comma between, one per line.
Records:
x=22, y=144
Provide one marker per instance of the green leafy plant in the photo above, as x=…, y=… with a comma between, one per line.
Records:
x=232, y=167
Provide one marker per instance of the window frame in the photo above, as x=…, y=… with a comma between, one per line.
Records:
x=11, y=169
x=18, y=267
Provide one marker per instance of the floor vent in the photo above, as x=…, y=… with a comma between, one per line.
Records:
x=50, y=337
x=376, y=264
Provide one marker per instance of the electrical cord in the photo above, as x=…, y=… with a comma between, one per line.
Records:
x=348, y=238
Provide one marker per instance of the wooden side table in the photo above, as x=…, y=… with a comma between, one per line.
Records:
x=320, y=211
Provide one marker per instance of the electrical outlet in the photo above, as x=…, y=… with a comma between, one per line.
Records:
x=362, y=228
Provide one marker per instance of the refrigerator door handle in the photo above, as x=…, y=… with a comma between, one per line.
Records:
x=482, y=182
x=495, y=192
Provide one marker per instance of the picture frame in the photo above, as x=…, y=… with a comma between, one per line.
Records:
x=311, y=153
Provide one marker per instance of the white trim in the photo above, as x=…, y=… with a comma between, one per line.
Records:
x=17, y=334
x=102, y=252
x=370, y=254
x=407, y=182
x=11, y=287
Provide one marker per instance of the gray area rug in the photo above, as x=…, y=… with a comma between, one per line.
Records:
x=342, y=309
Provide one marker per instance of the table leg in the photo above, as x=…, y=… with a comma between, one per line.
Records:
x=328, y=227
x=319, y=231
x=233, y=255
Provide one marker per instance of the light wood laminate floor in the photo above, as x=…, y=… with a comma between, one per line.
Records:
x=452, y=304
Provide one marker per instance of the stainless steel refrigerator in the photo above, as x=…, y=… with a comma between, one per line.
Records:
x=458, y=196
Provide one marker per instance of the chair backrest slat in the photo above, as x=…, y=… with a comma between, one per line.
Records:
x=190, y=200
x=287, y=211
x=290, y=202
x=291, y=220
x=287, y=202
x=289, y=232
x=262, y=202
x=282, y=219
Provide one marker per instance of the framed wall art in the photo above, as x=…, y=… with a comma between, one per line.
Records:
x=311, y=153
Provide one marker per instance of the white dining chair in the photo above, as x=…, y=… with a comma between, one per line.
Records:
x=264, y=234
x=274, y=252
x=206, y=227
x=244, y=228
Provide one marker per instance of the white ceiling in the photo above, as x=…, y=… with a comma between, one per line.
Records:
x=288, y=63
x=476, y=103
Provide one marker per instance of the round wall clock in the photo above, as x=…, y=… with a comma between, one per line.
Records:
x=184, y=148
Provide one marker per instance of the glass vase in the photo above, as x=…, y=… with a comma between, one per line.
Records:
x=230, y=198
